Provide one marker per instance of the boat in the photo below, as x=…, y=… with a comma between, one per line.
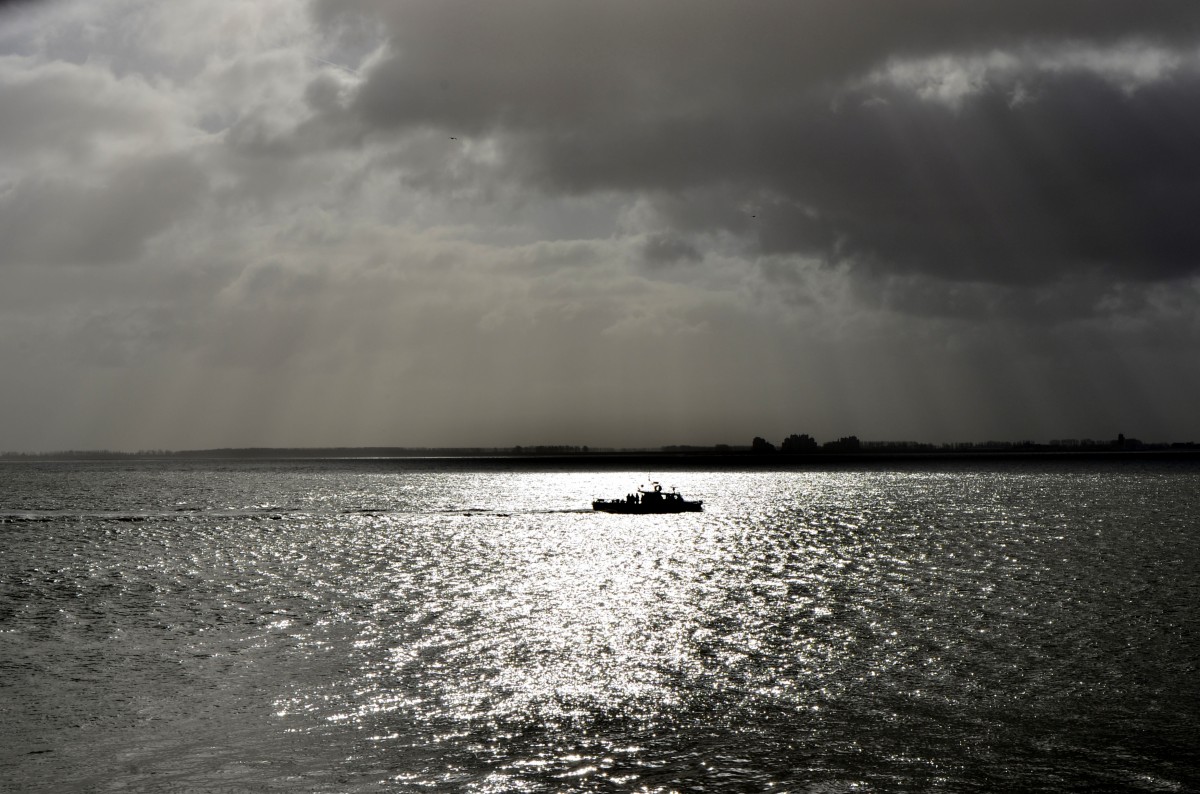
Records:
x=649, y=500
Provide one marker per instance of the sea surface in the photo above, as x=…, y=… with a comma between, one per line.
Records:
x=382, y=626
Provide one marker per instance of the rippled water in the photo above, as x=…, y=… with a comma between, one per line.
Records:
x=370, y=626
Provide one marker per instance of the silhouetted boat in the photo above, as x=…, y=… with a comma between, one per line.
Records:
x=649, y=500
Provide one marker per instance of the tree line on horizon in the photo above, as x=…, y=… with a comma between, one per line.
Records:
x=806, y=444
x=795, y=444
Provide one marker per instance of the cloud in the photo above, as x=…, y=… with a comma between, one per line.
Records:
x=47, y=221
x=70, y=114
x=456, y=222
x=1000, y=142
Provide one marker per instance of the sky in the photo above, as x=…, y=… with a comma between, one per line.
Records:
x=618, y=223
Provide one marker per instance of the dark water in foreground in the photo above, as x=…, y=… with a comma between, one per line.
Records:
x=358, y=626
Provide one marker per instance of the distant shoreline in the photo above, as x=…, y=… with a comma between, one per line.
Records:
x=636, y=460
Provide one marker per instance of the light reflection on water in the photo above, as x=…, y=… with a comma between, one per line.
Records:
x=330, y=629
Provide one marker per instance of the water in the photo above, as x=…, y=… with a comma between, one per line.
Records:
x=358, y=626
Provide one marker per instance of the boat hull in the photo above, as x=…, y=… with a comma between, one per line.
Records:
x=638, y=508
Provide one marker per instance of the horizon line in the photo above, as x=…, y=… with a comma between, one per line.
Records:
x=846, y=445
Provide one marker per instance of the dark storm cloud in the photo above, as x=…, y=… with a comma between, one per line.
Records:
x=1084, y=177
x=548, y=64
x=801, y=117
